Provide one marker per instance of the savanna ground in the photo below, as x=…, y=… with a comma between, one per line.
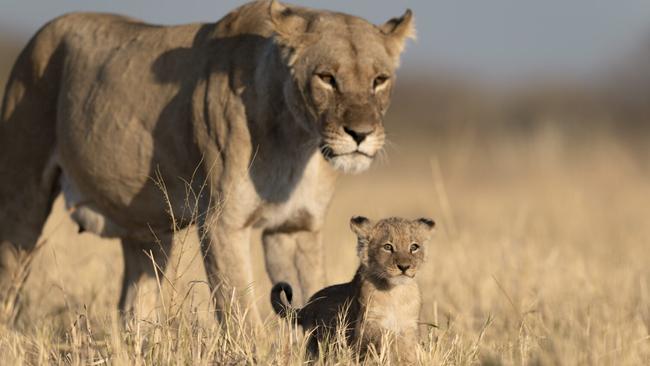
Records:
x=540, y=257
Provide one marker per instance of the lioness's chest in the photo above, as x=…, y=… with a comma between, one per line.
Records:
x=306, y=203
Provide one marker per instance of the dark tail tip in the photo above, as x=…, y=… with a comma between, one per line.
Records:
x=281, y=304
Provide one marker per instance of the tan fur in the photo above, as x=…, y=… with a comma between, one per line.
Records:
x=382, y=302
x=234, y=112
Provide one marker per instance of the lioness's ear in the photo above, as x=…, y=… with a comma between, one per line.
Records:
x=397, y=31
x=290, y=27
x=425, y=225
x=360, y=226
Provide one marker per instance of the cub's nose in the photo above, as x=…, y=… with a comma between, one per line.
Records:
x=403, y=267
x=358, y=135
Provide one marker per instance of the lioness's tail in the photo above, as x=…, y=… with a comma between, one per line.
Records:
x=282, y=304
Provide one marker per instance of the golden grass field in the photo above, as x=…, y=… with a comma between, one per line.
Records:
x=540, y=258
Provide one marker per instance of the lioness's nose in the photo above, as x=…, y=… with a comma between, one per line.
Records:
x=403, y=267
x=358, y=135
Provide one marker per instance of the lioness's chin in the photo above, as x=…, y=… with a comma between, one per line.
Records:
x=351, y=163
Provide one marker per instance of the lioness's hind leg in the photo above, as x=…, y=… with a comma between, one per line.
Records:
x=144, y=269
x=28, y=177
x=23, y=213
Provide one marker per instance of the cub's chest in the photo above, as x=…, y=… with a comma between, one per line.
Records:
x=396, y=310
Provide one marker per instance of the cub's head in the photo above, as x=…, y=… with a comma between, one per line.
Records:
x=343, y=71
x=392, y=249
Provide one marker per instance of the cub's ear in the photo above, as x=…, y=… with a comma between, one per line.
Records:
x=360, y=226
x=427, y=222
x=289, y=26
x=425, y=225
x=397, y=31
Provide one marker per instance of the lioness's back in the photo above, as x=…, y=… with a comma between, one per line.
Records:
x=99, y=32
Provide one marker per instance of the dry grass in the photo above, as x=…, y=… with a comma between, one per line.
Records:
x=540, y=258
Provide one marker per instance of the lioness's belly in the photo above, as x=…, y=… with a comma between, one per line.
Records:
x=129, y=185
x=84, y=212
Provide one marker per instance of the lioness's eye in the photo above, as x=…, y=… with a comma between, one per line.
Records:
x=388, y=247
x=414, y=248
x=379, y=80
x=327, y=79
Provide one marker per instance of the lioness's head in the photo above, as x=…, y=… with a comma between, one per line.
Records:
x=343, y=71
x=392, y=249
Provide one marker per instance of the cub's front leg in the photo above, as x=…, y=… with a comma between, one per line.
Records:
x=404, y=349
x=296, y=257
x=402, y=346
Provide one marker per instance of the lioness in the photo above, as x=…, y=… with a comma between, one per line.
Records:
x=244, y=123
x=382, y=299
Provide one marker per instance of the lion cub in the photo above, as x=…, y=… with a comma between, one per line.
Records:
x=382, y=299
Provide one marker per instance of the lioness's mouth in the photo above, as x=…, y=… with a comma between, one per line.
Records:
x=357, y=152
x=350, y=162
x=328, y=153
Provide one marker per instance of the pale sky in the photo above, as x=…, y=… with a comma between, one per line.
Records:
x=497, y=40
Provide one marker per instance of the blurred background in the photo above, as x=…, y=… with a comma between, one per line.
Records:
x=579, y=67
x=522, y=127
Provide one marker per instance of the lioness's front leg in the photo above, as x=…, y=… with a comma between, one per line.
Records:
x=226, y=255
x=297, y=258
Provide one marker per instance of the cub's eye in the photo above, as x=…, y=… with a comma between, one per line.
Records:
x=379, y=81
x=327, y=78
x=414, y=247
x=388, y=247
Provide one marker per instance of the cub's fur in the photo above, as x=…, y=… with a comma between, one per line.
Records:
x=382, y=298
